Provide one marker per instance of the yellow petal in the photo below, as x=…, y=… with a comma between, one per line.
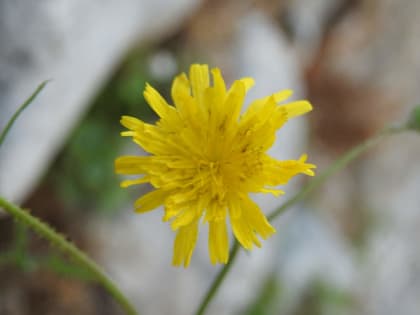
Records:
x=181, y=95
x=234, y=208
x=156, y=101
x=131, y=123
x=282, y=95
x=255, y=217
x=151, y=200
x=200, y=80
x=280, y=172
x=234, y=101
x=260, y=111
x=218, y=83
x=130, y=182
x=274, y=192
x=128, y=133
x=184, y=218
x=131, y=165
x=180, y=87
x=184, y=244
x=215, y=212
x=218, y=242
x=277, y=97
x=297, y=108
x=248, y=83
x=243, y=233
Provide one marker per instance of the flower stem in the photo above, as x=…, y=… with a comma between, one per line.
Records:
x=339, y=164
x=22, y=107
x=78, y=256
x=218, y=280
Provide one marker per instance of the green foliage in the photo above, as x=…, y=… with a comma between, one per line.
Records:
x=64, y=268
x=320, y=298
x=84, y=171
x=267, y=299
x=59, y=242
x=414, y=120
x=19, y=255
x=19, y=251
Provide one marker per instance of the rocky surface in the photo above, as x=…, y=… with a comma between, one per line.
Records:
x=365, y=76
x=76, y=45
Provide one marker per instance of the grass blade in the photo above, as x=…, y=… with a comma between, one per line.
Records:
x=21, y=108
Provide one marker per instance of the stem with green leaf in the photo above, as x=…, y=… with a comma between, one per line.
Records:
x=56, y=239
x=59, y=241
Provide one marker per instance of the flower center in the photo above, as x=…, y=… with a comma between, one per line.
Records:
x=212, y=177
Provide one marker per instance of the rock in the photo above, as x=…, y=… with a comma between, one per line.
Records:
x=366, y=76
x=76, y=45
x=308, y=21
x=388, y=281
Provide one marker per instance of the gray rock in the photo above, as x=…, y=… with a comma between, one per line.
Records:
x=75, y=44
x=375, y=56
x=390, y=278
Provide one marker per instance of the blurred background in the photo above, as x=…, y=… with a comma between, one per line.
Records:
x=351, y=249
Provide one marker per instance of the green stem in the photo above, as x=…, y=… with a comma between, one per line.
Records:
x=218, y=280
x=71, y=250
x=339, y=164
x=22, y=107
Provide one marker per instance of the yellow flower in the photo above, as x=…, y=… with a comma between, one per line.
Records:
x=206, y=158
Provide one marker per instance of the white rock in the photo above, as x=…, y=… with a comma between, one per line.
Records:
x=76, y=44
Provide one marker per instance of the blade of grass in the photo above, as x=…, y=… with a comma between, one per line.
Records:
x=21, y=108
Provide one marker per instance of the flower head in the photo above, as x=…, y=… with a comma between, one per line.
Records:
x=205, y=158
